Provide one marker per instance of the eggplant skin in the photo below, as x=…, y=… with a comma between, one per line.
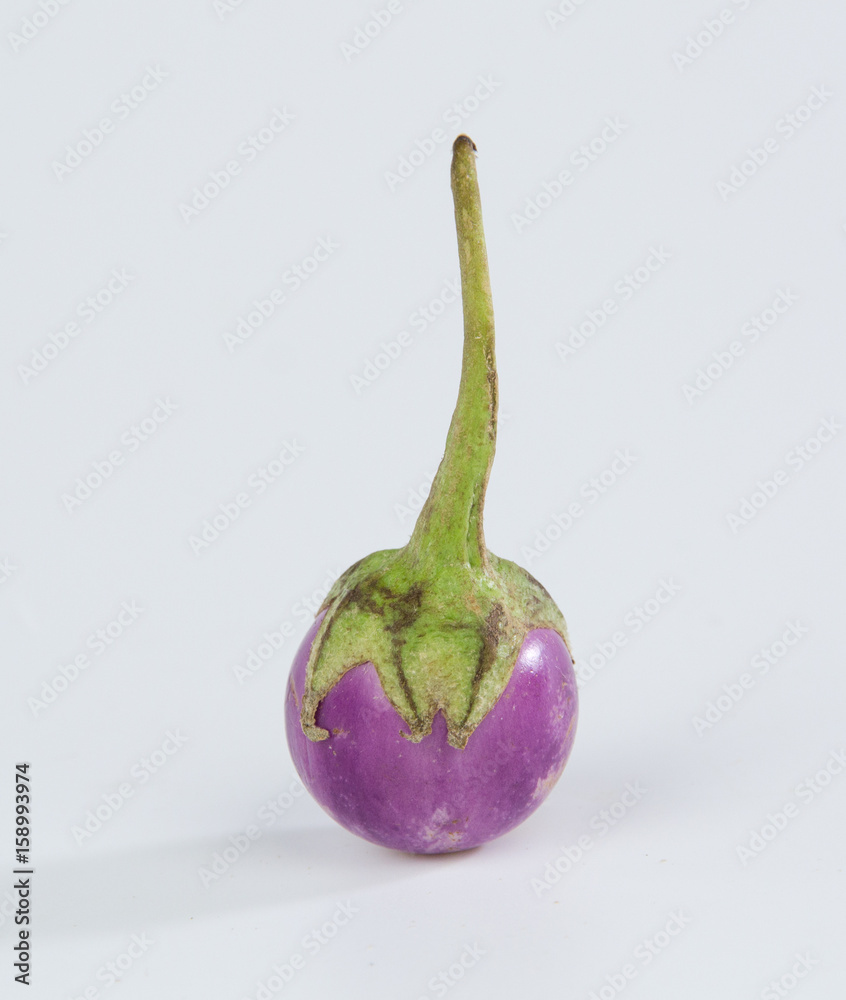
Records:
x=430, y=797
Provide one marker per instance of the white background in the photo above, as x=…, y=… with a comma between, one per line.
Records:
x=555, y=82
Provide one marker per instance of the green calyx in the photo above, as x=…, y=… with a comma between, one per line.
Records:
x=443, y=619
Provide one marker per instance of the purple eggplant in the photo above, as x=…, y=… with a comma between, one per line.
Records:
x=432, y=705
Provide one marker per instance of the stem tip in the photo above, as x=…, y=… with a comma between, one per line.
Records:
x=460, y=142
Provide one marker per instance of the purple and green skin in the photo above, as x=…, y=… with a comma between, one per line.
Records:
x=430, y=797
x=432, y=705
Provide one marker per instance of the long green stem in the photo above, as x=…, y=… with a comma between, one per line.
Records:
x=441, y=620
x=449, y=527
